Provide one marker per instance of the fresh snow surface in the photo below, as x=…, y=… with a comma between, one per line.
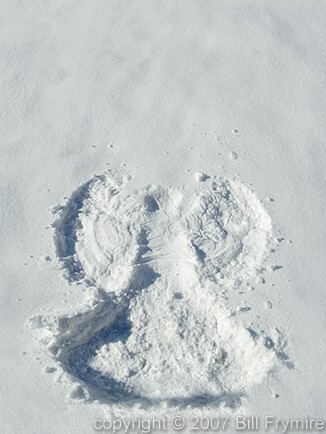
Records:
x=162, y=205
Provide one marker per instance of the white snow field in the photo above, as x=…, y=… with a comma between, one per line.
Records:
x=167, y=158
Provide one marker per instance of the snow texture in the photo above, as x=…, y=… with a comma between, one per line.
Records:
x=116, y=117
x=155, y=263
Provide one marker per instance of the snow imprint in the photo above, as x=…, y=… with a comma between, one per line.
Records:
x=154, y=265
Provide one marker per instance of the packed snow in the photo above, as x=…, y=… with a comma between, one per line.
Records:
x=155, y=265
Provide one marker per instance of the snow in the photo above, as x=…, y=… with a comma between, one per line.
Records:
x=154, y=265
x=155, y=97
